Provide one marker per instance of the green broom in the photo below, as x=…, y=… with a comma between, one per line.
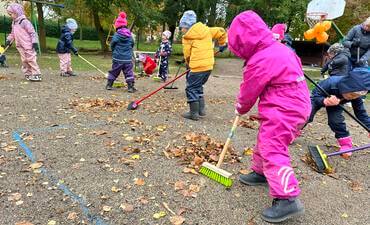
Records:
x=215, y=172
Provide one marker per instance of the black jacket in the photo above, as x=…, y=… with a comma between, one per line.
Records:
x=65, y=43
x=339, y=65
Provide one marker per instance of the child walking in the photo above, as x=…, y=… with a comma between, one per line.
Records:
x=343, y=89
x=26, y=41
x=163, y=54
x=199, y=57
x=273, y=73
x=339, y=61
x=65, y=46
x=122, y=44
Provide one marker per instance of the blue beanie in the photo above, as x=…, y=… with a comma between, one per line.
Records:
x=357, y=80
x=188, y=19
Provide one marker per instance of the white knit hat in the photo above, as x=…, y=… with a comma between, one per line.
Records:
x=71, y=24
x=167, y=33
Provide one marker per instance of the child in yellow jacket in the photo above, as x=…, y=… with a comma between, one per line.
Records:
x=198, y=52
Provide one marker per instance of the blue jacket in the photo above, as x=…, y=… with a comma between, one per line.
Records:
x=360, y=35
x=122, y=45
x=339, y=65
x=65, y=43
x=166, y=48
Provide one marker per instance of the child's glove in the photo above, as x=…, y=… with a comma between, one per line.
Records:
x=222, y=48
x=75, y=52
x=8, y=43
x=331, y=101
x=35, y=46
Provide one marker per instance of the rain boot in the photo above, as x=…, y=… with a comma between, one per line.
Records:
x=202, y=107
x=253, y=179
x=71, y=73
x=282, y=209
x=109, y=85
x=193, y=114
x=345, y=143
x=131, y=88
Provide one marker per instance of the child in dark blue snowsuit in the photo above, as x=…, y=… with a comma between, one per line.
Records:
x=339, y=63
x=163, y=53
x=342, y=89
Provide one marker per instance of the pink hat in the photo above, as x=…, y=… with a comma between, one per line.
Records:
x=16, y=8
x=278, y=31
x=121, y=20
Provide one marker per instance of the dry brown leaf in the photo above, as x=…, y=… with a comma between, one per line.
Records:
x=143, y=200
x=194, y=188
x=14, y=197
x=107, y=208
x=197, y=161
x=356, y=186
x=23, y=223
x=244, y=171
x=99, y=132
x=177, y=220
x=146, y=174
x=72, y=216
x=139, y=181
x=127, y=207
x=190, y=170
x=9, y=148
x=179, y=185
x=37, y=165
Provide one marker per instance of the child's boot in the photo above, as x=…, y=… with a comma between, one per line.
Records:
x=71, y=73
x=35, y=78
x=109, y=85
x=345, y=143
x=193, y=114
x=282, y=209
x=253, y=179
x=130, y=87
x=63, y=74
x=202, y=107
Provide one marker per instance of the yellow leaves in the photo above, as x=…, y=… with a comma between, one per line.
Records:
x=52, y=222
x=115, y=189
x=139, y=182
x=161, y=128
x=344, y=215
x=135, y=157
x=248, y=151
x=159, y=215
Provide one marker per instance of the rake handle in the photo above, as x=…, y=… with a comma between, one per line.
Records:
x=342, y=107
x=91, y=65
x=228, y=141
x=349, y=150
x=177, y=74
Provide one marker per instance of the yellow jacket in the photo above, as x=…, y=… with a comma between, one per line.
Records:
x=198, y=46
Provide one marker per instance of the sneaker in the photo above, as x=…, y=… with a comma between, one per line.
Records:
x=253, y=179
x=282, y=209
x=35, y=78
x=71, y=73
x=64, y=74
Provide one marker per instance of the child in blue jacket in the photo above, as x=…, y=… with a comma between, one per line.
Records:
x=163, y=54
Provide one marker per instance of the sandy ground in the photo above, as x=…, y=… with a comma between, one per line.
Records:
x=94, y=164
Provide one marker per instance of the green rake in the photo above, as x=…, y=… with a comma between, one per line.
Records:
x=215, y=172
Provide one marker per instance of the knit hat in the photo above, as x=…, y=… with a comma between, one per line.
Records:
x=357, y=80
x=188, y=19
x=167, y=34
x=121, y=20
x=71, y=24
x=16, y=8
x=335, y=48
x=278, y=30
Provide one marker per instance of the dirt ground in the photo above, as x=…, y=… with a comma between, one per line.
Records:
x=72, y=154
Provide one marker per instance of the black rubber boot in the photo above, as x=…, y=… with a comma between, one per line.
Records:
x=202, y=107
x=193, y=114
x=253, y=179
x=282, y=209
x=71, y=73
x=131, y=88
x=109, y=85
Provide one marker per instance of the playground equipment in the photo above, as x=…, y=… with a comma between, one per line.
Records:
x=320, y=15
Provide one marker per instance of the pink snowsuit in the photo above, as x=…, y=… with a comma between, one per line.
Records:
x=24, y=36
x=273, y=73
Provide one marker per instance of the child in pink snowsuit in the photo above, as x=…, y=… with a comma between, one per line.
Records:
x=26, y=41
x=273, y=73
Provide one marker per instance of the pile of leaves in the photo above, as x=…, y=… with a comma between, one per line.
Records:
x=249, y=123
x=3, y=77
x=99, y=104
x=162, y=104
x=199, y=148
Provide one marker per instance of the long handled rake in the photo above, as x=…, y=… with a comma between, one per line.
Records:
x=177, y=74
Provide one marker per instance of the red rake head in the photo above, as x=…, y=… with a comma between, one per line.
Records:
x=133, y=105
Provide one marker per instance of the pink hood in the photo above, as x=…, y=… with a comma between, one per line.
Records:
x=248, y=34
x=279, y=29
x=16, y=8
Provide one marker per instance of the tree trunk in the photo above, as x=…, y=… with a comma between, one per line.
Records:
x=100, y=31
x=212, y=14
x=172, y=28
x=42, y=32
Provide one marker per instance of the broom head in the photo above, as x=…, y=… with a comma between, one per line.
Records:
x=217, y=174
x=320, y=158
x=156, y=78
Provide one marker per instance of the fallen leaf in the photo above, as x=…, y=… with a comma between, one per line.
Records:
x=146, y=174
x=248, y=151
x=107, y=208
x=9, y=148
x=129, y=138
x=197, y=161
x=52, y=222
x=24, y=223
x=190, y=170
x=244, y=171
x=72, y=216
x=179, y=185
x=99, y=132
x=194, y=188
x=36, y=165
x=356, y=186
x=127, y=207
x=60, y=137
x=139, y=181
x=177, y=220
x=115, y=189
x=82, y=160
x=159, y=215
x=20, y=202
x=135, y=157
x=14, y=197
x=143, y=200
x=344, y=215
x=29, y=194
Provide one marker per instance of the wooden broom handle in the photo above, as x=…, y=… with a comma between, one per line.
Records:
x=228, y=141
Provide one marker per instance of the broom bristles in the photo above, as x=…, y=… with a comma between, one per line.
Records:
x=319, y=157
x=219, y=175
